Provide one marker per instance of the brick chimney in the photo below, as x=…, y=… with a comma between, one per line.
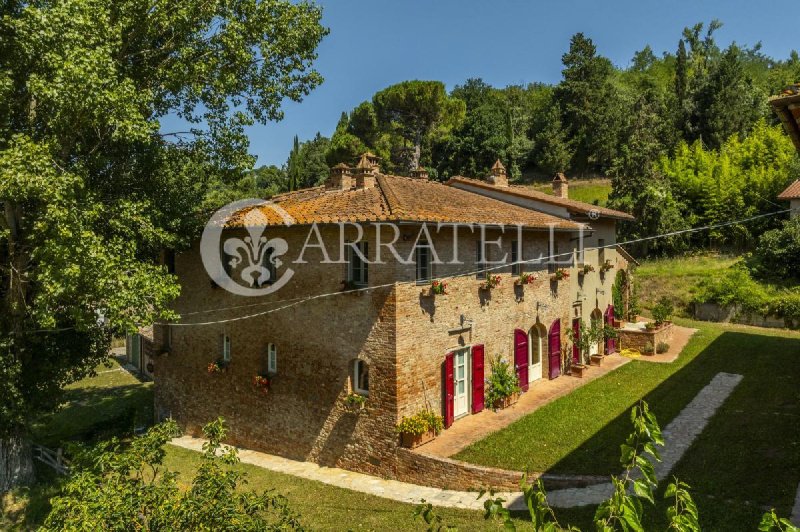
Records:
x=560, y=186
x=420, y=173
x=498, y=176
x=340, y=178
x=366, y=170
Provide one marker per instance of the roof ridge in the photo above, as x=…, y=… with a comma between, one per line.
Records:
x=388, y=195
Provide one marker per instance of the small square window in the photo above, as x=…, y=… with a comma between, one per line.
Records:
x=423, y=260
x=226, y=348
x=357, y=268
x=360, y=377
x=272, y=358
x=515, y=264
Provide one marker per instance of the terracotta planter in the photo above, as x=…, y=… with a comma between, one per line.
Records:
x=577, y=370
x=505, y=403
x=412, y=441
x=595, y=360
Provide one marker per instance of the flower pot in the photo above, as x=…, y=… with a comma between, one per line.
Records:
x=577, y=370
x=500, y=404
x=595, y=360
x=412, y=441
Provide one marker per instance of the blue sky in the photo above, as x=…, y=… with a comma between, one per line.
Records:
x=373, y=44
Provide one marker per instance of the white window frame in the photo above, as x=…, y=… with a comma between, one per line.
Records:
x=423, y=247
x=226, y=348
x=360, y=276
x=272, y=359
x=356, y=374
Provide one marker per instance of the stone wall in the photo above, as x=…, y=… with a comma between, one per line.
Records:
x=638, y=339
x=399, y=330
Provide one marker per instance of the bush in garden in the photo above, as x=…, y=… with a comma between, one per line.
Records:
x=662, y=311
x=116, y=487
x=662, y=347
x=420, y=423
x=502, y=383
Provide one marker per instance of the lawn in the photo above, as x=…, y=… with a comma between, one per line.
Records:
x=748, y=457
x=594, y=191
x=677, y=277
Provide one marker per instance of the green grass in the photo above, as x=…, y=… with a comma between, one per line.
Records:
x=747, y=457
x=677, y=277
x=324, y=507
x=110, y=403
x=593, y=191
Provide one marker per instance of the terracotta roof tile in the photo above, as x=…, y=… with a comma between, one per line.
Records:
x=527, y=192
x=397, y=198
x=787, y=107
x=791, y=192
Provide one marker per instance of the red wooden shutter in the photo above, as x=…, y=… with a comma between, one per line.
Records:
x=477, y=378
x=449, y=409
x=554, y=349
x=576, y=333
x=521, y=358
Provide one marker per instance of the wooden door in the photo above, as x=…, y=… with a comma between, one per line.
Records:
x=554, y=349
x=521, y=357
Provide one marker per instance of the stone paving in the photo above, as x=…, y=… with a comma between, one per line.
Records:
x=678, y=436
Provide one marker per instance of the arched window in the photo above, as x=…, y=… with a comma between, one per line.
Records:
x=360, y=377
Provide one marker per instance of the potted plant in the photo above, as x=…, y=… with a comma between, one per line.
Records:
x=606, y=266
x=348, y=286
x=650, y=326
x=419, y=429
x=355, y=402
x=218, y=366
x=526, y=278
x=586, y=338
x=492, y=281
x=586, y=269
x=503, y=385
x=560, y=275
x=438, y=288
x=261, y=383
x=662, y=311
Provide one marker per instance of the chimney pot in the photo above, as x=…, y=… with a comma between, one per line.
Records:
x=420, y=173
x=498, y=176
x=340, y=178
x=366, y=170
x=560, y=186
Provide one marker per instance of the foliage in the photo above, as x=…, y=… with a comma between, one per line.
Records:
x=618, y=294
x=662, y=311
x=355, y=400
x=526, y=278
x=420, y=423
x=733, y=287
x=662, y=347
x=560, y=274
x=588, y=337
x=648, y=348
x=93, y=190
x=439, y=287
x=428, y=514
x=121, y=488
x=492, y=281
x=307, y=165
x=682, y=514
x=502, y=383
x=777, y=255
x=770, y=522
x=262, y=383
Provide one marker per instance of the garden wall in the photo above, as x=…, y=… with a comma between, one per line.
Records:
x=732, y=314
x=638, y=339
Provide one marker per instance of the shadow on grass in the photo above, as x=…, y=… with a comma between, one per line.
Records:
x=747, y=459
x=95, y=413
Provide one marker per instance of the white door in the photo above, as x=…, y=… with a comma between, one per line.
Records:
x=461, y=376
x=535, y=350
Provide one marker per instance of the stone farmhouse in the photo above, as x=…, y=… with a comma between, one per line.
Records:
x=379, y=331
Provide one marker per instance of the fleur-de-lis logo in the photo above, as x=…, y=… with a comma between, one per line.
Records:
x=258, y=252
x=254, y=258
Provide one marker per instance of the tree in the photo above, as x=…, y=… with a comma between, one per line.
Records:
x=416, y=109
x=306, y=166
x=727, y=103
x=92, y=191
x=113, y=487
x=552, y=150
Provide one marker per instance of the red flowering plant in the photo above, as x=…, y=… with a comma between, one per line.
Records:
x=607, y=265
x=492, y=281
x=586, y=269
x=439, y=288
x=526, y=278
x=217, y=366
x=560, y=274
x=261, y=382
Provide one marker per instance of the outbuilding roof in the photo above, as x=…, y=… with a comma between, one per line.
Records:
x=791, y=192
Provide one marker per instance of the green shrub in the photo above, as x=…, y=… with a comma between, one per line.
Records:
x=502, y=383
x=734, y=287
x=777, y=255
x=420, y=423
x=648, y=348
x=662, y=347
x=662, y=311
